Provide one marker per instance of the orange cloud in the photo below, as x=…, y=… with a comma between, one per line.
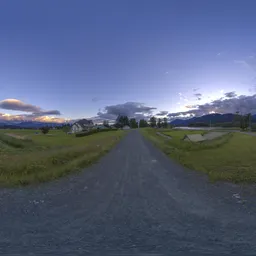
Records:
x=34, y=113
x=9, y=117
x=18, y=105
x=50, y=119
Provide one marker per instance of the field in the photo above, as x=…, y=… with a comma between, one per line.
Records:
x=230, y=158
x=28, y=156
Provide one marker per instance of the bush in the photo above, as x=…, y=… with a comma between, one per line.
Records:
x=45, y=130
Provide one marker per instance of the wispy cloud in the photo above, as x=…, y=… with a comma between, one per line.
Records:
x=249, y=63
x=221, y=53
x=198, y=96
x=95, y=99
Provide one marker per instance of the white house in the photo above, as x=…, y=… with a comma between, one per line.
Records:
x=82, y=125
x=126, y=127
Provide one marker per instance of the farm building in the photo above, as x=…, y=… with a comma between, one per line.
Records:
x=82, y=125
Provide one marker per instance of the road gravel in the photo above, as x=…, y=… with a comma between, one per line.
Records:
x=135, y=201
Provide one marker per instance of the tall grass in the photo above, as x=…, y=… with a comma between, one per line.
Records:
x=23, y=167
x=14, y=142
x=230, y=158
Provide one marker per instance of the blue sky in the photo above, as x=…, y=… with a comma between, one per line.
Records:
x=79, y=57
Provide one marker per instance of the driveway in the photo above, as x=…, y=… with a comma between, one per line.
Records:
x=135, y=201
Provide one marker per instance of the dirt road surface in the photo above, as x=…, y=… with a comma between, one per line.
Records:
x=135, y=201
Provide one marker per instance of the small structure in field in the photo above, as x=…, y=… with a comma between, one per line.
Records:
x=214, y=135
x=200, y=137
x=194, y=138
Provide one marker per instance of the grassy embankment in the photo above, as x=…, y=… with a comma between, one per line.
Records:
x=37, y=158
x=230, y=158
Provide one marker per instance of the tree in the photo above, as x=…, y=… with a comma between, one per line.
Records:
x=133, y=123
x=165, y=124
x=45, y=130
x=159, y=123
x=106, y=123
x=143, y=123
x=65, y=128
x=245, y=121
x=152, y=121
x=122, y=121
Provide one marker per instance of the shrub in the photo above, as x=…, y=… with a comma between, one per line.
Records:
x=87, y=133
x=45, y=130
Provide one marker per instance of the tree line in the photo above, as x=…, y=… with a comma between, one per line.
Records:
x=133, y=123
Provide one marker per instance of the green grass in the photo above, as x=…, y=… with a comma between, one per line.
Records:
x=230, y=158
x=40, y=157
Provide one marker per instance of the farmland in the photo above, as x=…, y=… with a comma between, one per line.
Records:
x=230, y=157
x=28, y=156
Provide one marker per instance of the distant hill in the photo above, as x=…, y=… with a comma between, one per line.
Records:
x=208, y=119
x=26, y=124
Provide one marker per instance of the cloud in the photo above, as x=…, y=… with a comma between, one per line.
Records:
x=95, y=99
x=221, y=53
x=13, y=104
x=35, y=113
x=196, y=89
x=9, y=117
x=191, y=106
x=131, y=109
x=18, y=105
x=244, y=104
x=47, y=113
x=162, y=113
x=198, y=96
x=249, y=63
x=230, y=94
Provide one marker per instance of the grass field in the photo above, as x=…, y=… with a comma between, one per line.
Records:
x=230, y=158
x=33, y=158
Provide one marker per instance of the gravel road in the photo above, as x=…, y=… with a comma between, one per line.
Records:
x=135, y=201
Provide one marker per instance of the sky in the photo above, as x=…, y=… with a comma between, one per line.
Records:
x=62, y=60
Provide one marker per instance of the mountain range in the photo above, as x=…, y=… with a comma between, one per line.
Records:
x=210, y=119
x=26, y=124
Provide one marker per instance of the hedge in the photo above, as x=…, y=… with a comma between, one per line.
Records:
x=87, y=133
